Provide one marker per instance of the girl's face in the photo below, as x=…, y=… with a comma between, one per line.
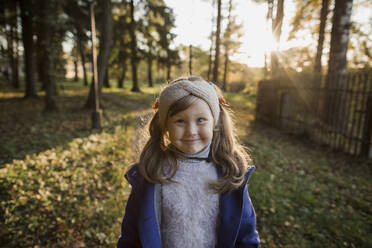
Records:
x=191, y=129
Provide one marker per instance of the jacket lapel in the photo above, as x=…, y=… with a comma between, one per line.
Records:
x=231, y=213
x=148, y=227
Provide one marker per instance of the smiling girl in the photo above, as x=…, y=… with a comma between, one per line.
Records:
x=189, y=188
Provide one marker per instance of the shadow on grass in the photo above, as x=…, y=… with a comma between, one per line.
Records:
x=26, y=129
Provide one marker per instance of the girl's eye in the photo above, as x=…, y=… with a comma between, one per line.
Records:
x=180, y=121
x=200, y=120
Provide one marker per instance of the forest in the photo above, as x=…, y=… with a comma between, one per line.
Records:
x=78, y=79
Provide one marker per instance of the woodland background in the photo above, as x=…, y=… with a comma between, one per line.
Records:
x=61, y=181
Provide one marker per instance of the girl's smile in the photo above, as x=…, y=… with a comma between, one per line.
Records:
x=191, y=129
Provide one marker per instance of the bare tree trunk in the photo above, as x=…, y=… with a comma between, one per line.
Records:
x=265, y=69
x=122, y=76
x=337, y=65
x=149, y=71
x=319, y=50
x=217, y=53
x=133, y=46
x=49, y=24
x=104, y=52
x=269, y=19
x=277, y=31
x=76, y=77
x=13, y=44
x=82, y=56
x=169, y=68
x=225, y=71
x=106, y=81
x=210, y=61
x=28, y=44
x=227, y=48
x=190, y=59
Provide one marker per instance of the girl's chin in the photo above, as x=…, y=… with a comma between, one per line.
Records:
x=192, y=150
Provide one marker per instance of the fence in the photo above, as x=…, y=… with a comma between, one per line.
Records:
x=339, y=115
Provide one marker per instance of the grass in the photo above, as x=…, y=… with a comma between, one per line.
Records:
x=61, y=183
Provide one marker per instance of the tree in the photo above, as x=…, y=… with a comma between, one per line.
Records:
x=133, y=46
x=277, y=31
x=337, y=64
x=166, y=55
x=78, y=12
x=319, y=50
x=211, y=38
x=230, y=41
x=121, y=49
x=304, y=19
x=11, y=33
x=151, y=18
x=28, y=46
x=50, y=13
x=218, y=32
x=104, y=51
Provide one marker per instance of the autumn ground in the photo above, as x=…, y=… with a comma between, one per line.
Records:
x=61, y=183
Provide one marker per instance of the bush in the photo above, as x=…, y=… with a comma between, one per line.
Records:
x=237, y=86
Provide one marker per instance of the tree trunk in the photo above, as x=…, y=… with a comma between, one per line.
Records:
x=28, y=44
x=169, y=67
x=76, y=77
x=227, y=48
x=265, y=68
x=40, y=33
x=82, y=56
x=319, y=50
x=133, y=46
x=337, y=65
x=269, y=19
x=104, y=52
x=13, y=44
x=106, y=81
x=122, y=76
x=225, y=71
x=190, y=59
x=210, y=60
x=49, y=25
x=277, y=31
x=217, y=53
x=149, y=71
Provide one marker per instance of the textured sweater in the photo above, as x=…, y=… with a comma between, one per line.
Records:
x=189, y=209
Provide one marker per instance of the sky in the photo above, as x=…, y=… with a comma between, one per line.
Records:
x=193, y=26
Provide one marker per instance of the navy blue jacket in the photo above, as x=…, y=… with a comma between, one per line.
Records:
x=140, y=227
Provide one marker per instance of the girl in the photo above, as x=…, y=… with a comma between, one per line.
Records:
x=189, y=187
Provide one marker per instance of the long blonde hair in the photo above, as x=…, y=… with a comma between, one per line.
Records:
x=232, y=157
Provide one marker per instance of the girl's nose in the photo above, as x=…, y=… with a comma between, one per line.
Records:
x=192, y=129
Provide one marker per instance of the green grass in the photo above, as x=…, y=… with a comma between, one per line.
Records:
x=62, y=185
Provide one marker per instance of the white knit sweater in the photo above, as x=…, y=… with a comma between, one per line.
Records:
x=189, y=209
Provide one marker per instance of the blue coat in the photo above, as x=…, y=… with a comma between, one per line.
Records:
x=140, y=226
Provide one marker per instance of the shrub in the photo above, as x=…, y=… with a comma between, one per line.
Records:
x=237, y=86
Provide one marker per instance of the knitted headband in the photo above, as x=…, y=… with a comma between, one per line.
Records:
x=182, y=88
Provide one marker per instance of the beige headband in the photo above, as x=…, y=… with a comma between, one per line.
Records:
x=182, y=88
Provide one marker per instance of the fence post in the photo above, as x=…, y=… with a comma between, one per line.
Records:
x=367, y=134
